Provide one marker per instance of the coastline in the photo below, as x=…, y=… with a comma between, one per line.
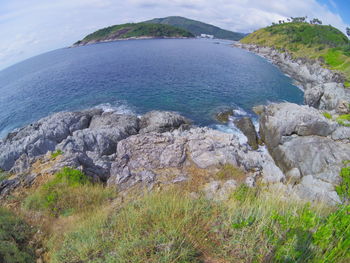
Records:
x=304, y=157
x=124, y=39
x=323, y=88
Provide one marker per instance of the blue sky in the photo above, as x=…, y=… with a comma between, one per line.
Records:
x=342, y=7
x=31, y=27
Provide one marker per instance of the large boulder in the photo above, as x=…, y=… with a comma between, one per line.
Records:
x=313, y=155
x=285, y=119
x=102, y=135
x=307, y=147
x=162, y=121
x=42, y=136
x=246, y=126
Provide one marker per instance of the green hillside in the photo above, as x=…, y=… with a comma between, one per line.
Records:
x=305, y=40
x=197, y=28
x=130, y=30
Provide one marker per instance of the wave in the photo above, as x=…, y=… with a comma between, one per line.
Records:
x=117, y=107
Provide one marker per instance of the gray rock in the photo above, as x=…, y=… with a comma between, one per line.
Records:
x=152, y=150
x=313, y=155
x=219, y=191
x=21, y=165
x=102, y=135
x=317, y=190
x=224, y=114
x=162, y=121
x=209, y=147
x=42, y=136
x=259, y=109
x=293, y=176
x=271, y=173
x=313, y=95
x=246, y=125
x=286, y=119
x=341, y=133
x=333, y=94
x=6, y=186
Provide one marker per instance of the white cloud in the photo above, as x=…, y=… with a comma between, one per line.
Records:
x=36, y=26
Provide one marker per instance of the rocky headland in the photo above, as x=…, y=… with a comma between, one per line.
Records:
x=304, y=157
x=323, y=88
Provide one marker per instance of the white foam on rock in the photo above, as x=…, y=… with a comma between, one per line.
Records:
x=119, y=108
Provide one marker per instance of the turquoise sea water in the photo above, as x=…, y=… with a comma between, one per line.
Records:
x=194, y=77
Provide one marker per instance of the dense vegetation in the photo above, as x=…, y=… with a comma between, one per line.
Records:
x=69, y=192
x=171, y=226
x=15, y=235
x=306, y=40
x=197, y=28
x=89, y=223
x=135, y=30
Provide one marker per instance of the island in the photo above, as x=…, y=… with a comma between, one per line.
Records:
x=133, y=31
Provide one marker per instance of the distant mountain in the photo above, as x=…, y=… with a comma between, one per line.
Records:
x=134, y=30
x=197, y=28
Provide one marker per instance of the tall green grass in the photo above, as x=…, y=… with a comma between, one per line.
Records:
x=171, y=226
x=70, y=191
x=15, y=235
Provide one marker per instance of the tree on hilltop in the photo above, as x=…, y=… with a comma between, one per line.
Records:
x=316, y=21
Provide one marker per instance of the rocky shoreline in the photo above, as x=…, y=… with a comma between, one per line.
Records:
x=82, y=43
x=302, y=156
x=158, y=148
x=323, y=88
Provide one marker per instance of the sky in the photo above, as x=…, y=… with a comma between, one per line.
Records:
x=32, y=27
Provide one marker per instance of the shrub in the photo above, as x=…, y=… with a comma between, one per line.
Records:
x=68, y=192
x=228, y=171
x=344, y=120
x=327, y=115
x=14, y=238
x=244, y=193
x=56, y=153
x=343, y=190
x=333, y=237
x=3, y=175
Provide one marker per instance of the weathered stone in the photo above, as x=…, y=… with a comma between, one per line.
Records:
x=313, y=155
x=341, y=133
x=313, y=95
x=219, y=191
x=42, y=136
x=293, y=176
x=286, y=119
x=161, y=121
x=209, y=147
x=259, y=109
x=246, y=125
x=316, y=190
x=223, y=115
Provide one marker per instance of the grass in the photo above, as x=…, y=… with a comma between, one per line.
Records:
x=343, y=190
x=15, y=235
x=344, y=120
x=170, y=226
x=3, y=175
x=56, y=153
x=157, y=228
x=228, y=171
x=70, y=191
x=327, y=115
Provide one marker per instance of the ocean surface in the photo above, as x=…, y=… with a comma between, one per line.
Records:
x=195, y=77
